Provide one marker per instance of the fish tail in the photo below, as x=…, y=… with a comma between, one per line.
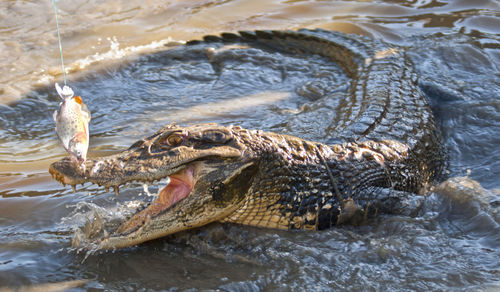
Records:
x=65, y=92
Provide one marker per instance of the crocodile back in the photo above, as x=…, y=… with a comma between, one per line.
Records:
x=383, y=102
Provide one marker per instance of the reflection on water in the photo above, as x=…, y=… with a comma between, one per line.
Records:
x=96, y=31
x=454, y=44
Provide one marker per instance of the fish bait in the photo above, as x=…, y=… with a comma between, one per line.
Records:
x=72, y=123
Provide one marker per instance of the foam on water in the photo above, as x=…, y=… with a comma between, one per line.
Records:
x=115, y=53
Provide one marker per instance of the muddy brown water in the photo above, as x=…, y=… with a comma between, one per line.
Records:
x=116, y=58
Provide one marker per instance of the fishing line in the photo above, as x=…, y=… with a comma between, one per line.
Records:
x=60, y=45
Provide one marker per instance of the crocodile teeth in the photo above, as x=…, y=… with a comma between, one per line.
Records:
x=146, y=189
x=163, y=183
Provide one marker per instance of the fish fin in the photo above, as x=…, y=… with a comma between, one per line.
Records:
x=59, y=90
x=85, y=112
x=78, y=99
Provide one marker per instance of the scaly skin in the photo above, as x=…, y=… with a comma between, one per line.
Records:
x=387, y=148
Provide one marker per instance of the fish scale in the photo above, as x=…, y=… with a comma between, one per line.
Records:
x=72, y=121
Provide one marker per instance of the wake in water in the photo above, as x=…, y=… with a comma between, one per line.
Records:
x=96, y=220
x=459, y=205
x=469, y=210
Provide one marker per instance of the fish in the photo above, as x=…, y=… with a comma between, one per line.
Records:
x=72, y=123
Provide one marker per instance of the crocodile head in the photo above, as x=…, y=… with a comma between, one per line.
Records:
x=210, y=171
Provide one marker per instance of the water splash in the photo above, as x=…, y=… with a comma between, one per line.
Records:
x=113, y=54
x=91, y=222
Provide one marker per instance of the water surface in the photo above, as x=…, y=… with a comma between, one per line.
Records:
x=133, y=84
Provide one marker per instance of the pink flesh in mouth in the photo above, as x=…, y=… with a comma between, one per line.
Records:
x=179, y=187
x=181, y=184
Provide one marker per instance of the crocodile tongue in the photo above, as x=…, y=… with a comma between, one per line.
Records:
x=179, y=187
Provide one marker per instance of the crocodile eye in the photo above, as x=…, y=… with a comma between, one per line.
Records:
x=173, y=139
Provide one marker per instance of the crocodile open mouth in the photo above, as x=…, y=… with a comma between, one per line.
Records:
x=180, y=186
x=204, y=184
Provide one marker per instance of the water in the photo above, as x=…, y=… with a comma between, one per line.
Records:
x=117, y=61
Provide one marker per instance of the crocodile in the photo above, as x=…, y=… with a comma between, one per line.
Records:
x=387, y=149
